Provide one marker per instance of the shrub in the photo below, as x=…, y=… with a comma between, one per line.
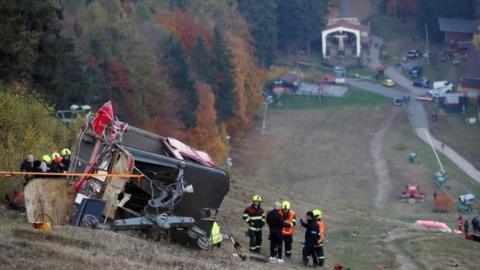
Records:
x=26, y=126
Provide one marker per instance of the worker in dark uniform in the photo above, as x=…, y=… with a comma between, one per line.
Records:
x=28, y=165
x=475, y=225
x=55, y=165
x=466, y=226
x=255, y=218
x=65, y=164
x=275, y=222
x=311, y=238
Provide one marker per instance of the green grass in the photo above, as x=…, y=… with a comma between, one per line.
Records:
x=353, y=97
x=363, y=72
x=452, y=130
x=390, y=28
x=458, y=181
x=420, y=250
x=436, y=71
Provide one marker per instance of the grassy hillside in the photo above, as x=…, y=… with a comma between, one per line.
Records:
x=316, y=157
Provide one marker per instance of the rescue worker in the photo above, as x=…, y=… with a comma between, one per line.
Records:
x=311, y=238
x=321, y=237
x=275, y=222
x=65, y=153
x=466, y=226
x=216, y=236
x=55, y=164
x=45, y=163
x=475, y=225
x=255, y=218
x=460, y=222
x=288, y=227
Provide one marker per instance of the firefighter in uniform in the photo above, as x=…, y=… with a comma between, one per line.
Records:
x=321, y=232
x=255, y=218
x=288, y=227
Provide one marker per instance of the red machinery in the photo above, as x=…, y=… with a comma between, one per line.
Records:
x=412, y=193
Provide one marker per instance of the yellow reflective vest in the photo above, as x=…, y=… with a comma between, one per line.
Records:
x=216, y=236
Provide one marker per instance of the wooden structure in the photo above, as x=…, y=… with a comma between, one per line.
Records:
x=338, y=26
x=49, y=200
x=458, y=33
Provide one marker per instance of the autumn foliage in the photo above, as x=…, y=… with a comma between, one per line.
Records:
x=173, y=70
x=185, y=29
x=206, y=135
x=209, y=134
x=248, y=80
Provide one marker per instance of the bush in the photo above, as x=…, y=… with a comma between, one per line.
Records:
x=26, y=126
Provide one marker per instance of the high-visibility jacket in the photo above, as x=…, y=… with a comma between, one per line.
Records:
x=290, y=222
x=216, y=236
x=254, y=217
x=321, y=231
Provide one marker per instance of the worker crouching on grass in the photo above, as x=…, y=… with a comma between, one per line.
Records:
x=311, y=238
x=321, y=237
x=255, y=218
x=288, y=227
x=275, y=222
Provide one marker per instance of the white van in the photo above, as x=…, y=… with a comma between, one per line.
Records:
x=440, y=88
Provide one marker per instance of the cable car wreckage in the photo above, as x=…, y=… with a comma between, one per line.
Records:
x=136, y=180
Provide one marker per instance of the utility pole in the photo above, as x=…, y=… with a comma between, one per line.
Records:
x=264, y=118
x=426, y=43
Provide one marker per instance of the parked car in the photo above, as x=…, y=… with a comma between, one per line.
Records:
x=440, y=88
x=414, y=54
x=422, y=82
x=388, y=83
x=443, y=84
x=415, y=71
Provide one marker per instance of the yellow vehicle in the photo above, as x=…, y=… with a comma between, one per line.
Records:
x=388, y=83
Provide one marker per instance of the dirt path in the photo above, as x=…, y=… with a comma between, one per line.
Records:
x=403, y=260
x=380, y=167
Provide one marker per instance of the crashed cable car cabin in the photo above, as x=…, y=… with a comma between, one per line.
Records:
x=179, y=189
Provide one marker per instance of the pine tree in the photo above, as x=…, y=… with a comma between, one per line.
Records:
x=224, y=86
x=261, y=18
x=288, y=22
x=202, y=61
x=298, y=20
x=27, y=28
x=179, y=74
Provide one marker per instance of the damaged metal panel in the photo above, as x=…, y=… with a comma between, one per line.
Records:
x=115, y=185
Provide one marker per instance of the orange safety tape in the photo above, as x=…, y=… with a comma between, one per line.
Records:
x=12, y=173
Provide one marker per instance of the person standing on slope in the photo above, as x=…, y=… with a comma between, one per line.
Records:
x=275, y=223
x=255, y=218
x=288, y=227
x=321, y=237
x=311, y=238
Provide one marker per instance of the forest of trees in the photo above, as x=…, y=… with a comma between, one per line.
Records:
x=428, y=11
x=279, y=24
x=189, y=69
